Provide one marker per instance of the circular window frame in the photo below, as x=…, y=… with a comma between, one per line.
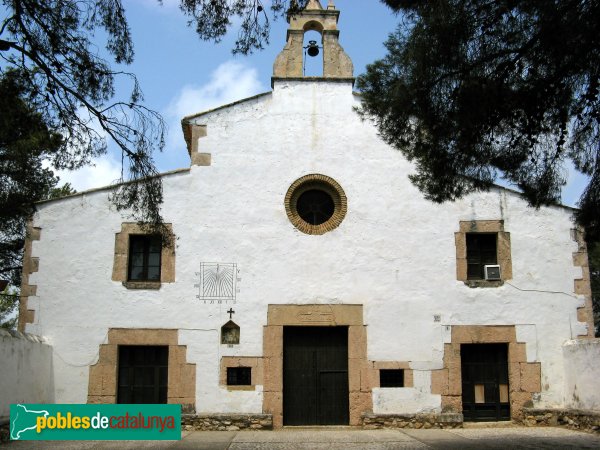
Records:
x=319, y=182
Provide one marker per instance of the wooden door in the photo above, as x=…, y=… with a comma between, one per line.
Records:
x=485, y=390
x=143, y=374
x=315, y=376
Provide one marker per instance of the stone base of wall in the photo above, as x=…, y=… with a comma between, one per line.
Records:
x=571, y=418
x=226, y=422
x=4, y=432
x=378, y=421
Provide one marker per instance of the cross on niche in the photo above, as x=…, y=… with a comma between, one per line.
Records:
x=231, y=312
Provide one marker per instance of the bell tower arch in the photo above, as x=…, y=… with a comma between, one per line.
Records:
x=336, y=63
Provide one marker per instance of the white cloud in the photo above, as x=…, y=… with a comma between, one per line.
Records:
x=231, y=81
x=105, y=171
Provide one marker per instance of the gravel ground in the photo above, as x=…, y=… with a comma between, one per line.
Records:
x=348, y=439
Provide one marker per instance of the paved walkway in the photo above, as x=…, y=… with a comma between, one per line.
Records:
x=348, y=439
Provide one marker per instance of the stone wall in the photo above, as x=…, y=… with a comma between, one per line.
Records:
x=226, y=422
x=570, y=418
x=416, y=421
x=4, y=431
x=25, y=371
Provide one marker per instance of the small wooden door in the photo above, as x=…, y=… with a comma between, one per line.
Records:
x=315, y=376
x=485, y=391
x=143, y=374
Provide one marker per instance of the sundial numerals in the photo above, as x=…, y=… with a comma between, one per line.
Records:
x=218, y=283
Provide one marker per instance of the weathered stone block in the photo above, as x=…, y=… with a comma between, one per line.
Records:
x=531, y=377
x=391, y=365
x=273, y=374
x=369, y=378
x=360, y=403
x=439, y=381
x=465, y=334
x=99, y=399
x=517, y=352
x=514, y=377
x=357, y=341
x=109, y=380
x=95, y=381
x=142, y=336
x=454, y=382
x=519, y=400
x=273, y=341
x=409, y=378
x=201, y=159
x=451, y=404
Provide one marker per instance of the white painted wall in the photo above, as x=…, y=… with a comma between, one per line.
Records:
x=394, y=253
x=582, y=374
x=416, y=399
x=25, y=371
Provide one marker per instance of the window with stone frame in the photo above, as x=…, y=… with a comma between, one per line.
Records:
x=239, y=376
x=389, y=378
x=481, y=251
x=480, y=243
x=144, y=258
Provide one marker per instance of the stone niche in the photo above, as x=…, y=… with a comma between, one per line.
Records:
x=230, y=333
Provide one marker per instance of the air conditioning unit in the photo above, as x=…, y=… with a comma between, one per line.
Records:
x=492, y=272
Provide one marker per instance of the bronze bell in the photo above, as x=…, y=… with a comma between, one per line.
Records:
x=312, y=49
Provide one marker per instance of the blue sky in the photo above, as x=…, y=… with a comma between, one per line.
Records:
x=182, y=75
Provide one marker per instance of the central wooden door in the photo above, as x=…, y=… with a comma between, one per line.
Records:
x=315, y=376
x=485, y=392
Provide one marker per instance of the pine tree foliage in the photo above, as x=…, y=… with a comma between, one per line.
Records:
x=475, y=89
x=8, y=307
x=213, y=19
x=25, y=142
x=48, y=43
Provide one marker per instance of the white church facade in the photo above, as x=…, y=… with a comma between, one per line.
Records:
x=309, y=280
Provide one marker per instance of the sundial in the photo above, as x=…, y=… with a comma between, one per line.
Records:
x=217, y=282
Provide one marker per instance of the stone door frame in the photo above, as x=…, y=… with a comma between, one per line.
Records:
x=278, y=316
x=524, y=378
x=103, y=375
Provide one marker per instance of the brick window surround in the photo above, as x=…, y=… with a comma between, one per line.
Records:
x=321, y=183
x=121, y=259
x=502, y=248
